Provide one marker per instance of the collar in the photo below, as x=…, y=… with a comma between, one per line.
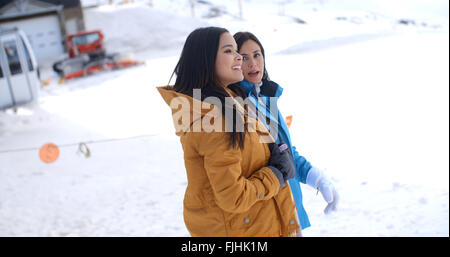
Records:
x=266, y=88
x=257, y=87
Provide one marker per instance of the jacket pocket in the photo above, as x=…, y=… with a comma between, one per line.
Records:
x=248, y=223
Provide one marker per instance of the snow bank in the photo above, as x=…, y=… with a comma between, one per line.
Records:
x=139, y=28
x=159, y=28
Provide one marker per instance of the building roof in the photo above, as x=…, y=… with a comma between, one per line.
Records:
x=64, y=3
x=12, y=9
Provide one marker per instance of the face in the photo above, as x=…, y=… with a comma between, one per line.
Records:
x=253, y=61
x=228, y=61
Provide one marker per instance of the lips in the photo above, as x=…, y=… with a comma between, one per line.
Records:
x=237, y=67
x=253, y=73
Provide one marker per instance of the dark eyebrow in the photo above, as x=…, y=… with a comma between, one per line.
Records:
x=229, y=45
x=256, y=51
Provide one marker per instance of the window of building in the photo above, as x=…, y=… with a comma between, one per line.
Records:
x=13, y=57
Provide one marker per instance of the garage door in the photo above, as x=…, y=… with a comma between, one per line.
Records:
x=44, y=34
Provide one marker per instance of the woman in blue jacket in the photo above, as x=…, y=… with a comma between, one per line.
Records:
x=259, y=89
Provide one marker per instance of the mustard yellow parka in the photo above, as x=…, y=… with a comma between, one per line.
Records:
x=230, y=191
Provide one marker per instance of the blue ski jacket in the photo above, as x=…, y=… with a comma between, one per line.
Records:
x=302, y=166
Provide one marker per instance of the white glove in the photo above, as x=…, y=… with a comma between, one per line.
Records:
x=317, y=179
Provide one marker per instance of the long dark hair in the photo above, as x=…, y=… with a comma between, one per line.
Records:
x=196, y=69
x=241, y=38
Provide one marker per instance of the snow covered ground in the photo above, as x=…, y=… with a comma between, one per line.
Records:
x=369, y=99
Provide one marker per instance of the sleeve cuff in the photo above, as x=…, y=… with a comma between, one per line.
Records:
x=313, y=177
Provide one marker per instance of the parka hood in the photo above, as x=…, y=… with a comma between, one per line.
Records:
x=184, y=106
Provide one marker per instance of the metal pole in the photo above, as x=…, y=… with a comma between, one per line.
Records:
x=24, y=62
x=240, y=8
x=192, y=8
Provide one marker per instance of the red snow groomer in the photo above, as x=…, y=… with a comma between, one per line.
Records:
x=87, y=55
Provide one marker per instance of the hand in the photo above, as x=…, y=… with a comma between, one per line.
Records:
x=317, y=179
x=329, y=193
x=281, y=159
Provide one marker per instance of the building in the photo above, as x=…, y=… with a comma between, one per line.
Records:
x=45, y=22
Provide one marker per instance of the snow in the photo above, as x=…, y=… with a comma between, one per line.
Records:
x=369, y=99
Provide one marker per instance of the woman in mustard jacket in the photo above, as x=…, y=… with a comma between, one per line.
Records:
x=236, y=181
